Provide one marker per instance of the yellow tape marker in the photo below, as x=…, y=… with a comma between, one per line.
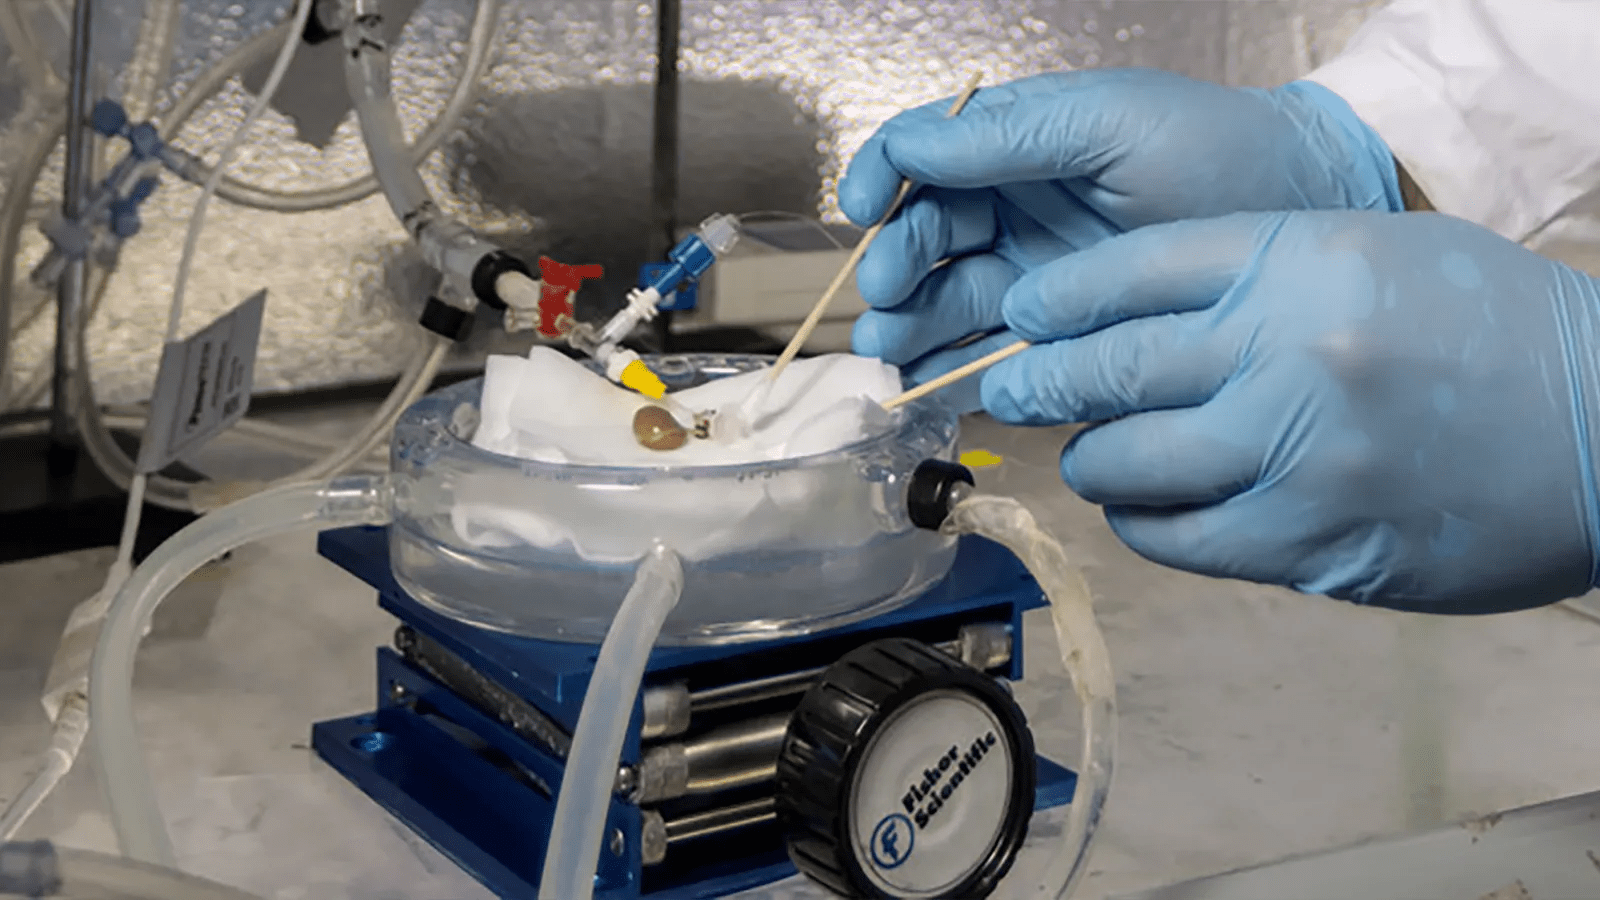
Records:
x=980, y=459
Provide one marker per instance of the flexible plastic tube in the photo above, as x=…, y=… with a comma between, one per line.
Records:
x=41, y=869
x=71, y=721
x=13, y=217
x=26, y=49
x=191, y=241
x=579, y=826
x=104, y=450
x=71, y=726
x=474, y=65
x=1083, y=652
x=120, y=468
x=124, y=776
x=110, y=458
x=152, y=57
x=450, y=248
x=13, y=214
x=369, y=77
x=411, y=386
x=262, y=433
x=39, y=389
x=473, y=68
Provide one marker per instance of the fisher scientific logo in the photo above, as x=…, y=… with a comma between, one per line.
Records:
x=896, y=834
x=892, y=841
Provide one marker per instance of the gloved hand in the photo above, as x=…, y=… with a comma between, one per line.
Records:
x=1401, y=410
x=1056, y=163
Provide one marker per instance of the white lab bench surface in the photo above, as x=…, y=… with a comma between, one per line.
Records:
x=1255, y=723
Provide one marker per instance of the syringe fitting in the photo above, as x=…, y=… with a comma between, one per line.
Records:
x=690, y=259
x=641, y=308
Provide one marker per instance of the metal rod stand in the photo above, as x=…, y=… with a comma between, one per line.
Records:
x=52, y=500
x=70, y=291
x=664, y=149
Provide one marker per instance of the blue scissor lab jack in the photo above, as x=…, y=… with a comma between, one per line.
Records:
x=741, y=763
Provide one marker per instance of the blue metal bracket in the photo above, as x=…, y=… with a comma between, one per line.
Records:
x=484, y=795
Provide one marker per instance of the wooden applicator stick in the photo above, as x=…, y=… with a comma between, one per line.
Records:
x=811, y=321
x=954, y=375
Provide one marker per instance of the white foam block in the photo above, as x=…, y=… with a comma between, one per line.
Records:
x=552, y=409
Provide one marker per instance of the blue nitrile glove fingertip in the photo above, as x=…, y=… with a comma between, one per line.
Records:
x=877, y=278
x=1024, y=307
x=867, y=337
x=1132, y=528
x=1005, y=392
x=869, y=184
x=1067, y=458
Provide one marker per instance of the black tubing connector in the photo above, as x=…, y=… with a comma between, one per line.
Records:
x=316, y=30
x=929, y=496
x=29, y=869
x=488, y=271
x=447, y=321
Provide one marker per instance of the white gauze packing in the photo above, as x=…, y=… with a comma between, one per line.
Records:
x=548, y=408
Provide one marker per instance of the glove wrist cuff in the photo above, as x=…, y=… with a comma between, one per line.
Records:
x=1375, y=179
x=1577, y=314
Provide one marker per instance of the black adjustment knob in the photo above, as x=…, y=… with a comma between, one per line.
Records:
x=929, y=495
x=317, y=30
x=905, y=773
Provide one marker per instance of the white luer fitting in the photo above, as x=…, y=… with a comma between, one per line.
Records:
x=617, y=359
x=517, y=290
x=720, y=232
x=641, y=308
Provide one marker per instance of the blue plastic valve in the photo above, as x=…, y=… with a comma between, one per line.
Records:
x=690, y=259
x=125, y=218
x=682, y=299
x=146, y=140
x=143, y=188
x=108, y=118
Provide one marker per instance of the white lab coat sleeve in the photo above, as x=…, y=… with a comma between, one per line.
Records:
x=1493, y=106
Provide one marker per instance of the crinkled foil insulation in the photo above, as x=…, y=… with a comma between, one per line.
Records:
x=554, y=157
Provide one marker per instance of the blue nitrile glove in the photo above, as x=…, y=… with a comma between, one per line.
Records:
x=1055, y=163
x=1401, y=410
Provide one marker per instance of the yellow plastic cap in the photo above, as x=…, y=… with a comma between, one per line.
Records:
x=636, y=376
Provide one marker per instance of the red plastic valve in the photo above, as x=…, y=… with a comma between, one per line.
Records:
x=558, y=281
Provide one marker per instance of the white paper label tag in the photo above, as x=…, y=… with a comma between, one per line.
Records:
x=203, y=386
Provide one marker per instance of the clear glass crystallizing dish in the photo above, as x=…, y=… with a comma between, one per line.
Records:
x=807, y=543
